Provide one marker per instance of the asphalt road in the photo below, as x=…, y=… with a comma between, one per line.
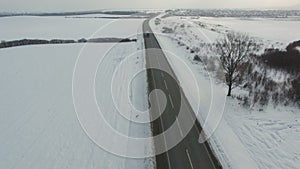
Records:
x=189, y=153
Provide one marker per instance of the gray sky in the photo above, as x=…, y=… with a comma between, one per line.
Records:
x=77, y=5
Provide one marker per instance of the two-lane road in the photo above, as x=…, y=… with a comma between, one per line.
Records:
x=189, y=153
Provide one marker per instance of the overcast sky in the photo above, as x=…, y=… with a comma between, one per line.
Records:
x=77, y=5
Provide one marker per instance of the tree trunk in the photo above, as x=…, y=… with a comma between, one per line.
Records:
x=229, y=89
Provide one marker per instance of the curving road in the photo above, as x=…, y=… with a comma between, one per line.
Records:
x=189, y=153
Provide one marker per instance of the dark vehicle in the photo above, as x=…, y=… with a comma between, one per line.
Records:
x=147, y=34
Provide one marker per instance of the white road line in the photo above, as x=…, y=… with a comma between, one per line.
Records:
x=165, y=143
x=192, y=118
x=171, y=101
x=158, y=62
x=169, y=163
x=181, y=133
x=209, y=157
x=162, y=74
x=204, y=145
x=188, y=154
x=166, y=84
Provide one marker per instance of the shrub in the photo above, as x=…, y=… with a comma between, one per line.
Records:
x=296, y=89
x=288, y=60
x=264, y=98
x=167, y=30
x=197, y=58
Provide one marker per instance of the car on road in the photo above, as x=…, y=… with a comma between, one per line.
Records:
x=147, y=34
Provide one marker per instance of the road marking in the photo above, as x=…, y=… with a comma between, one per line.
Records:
x=161, y=122
x=166, y=84
x=209, y=157
x=188, y=154
x=162, y=74
x=203, y=145
x=178, y=123
x=169, y=163
x=190, y=116
x=158, y=62
x=181, y=133
x=171, y=101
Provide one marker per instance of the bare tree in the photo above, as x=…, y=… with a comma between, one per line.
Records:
x=233, y=50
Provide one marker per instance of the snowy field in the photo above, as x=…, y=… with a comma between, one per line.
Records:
x=39, y=127
x=21, y=27
x=38, y=123
x=283, y=30
x=98, y=15
x=137, y=15
x=244, y=138
x=273, y=32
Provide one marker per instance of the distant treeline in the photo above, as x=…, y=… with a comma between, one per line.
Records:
x=71, y=13
x=235, y=13
x=23, y=42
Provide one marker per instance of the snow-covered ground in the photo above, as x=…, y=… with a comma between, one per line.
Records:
x=275, y=29
x=98, y=15
x=137, y=15
x=245, y=138
x=39, y=127
x=274, y=32
x=21, y=27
